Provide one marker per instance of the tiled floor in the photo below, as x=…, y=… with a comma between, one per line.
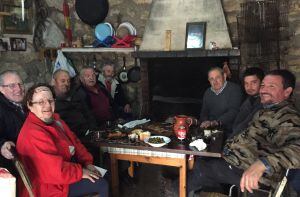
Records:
x=148, y=184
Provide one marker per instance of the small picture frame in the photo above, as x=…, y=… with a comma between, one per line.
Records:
x=19, y=20
x=4, y=44
x=18, y=44
x=195, y=35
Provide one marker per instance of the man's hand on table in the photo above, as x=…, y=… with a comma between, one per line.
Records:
x=251, y=176
x=207, y=123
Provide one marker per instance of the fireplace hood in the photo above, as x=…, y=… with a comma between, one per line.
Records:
x=175, y=14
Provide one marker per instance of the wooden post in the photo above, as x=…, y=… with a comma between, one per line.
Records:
x=168, y=38
x=114, y=175
x=182, y=179
x=131, y=169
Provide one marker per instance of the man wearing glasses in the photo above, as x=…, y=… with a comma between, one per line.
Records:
x=12, y=113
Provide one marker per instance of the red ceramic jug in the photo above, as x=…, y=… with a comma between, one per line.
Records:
x=181, y=125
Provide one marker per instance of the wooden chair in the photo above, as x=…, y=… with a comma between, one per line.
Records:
x=265, y=192
x=22, y=172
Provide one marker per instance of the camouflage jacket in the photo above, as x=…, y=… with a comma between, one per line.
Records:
x=274, y=136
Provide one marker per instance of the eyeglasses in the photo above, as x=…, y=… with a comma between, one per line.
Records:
x=44, y=102
x=13, y=85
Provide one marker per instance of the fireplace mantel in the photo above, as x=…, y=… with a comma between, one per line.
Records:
x=188, y=53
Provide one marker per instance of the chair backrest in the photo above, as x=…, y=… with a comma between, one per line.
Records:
x=281, y=185
x=21, y=170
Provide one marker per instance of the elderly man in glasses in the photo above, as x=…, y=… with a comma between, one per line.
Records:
x=12, y=113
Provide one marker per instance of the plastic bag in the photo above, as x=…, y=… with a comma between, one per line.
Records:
x=62, y=63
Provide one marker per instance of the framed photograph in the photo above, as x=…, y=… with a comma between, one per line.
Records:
x=18, y=44
x=195, y=35
x=4, y=44
x=17, y=22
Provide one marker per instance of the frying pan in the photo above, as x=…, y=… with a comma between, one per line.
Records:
x=123, y=77
x=92, y=12
x=134, y=73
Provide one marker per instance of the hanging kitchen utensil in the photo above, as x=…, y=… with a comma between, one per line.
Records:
x=92, y=12
x=123, y=74
x=134, y=73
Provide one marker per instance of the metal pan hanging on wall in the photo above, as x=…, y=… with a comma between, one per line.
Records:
x=123, y=77
x=92, y=12
x=134, y=73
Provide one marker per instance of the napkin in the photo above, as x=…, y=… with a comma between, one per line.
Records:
x=134, y=123
x=199, y=144
x=101, y=170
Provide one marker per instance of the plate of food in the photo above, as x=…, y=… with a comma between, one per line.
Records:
x=157, y=141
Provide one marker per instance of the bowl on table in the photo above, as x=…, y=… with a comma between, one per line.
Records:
x=157, y=141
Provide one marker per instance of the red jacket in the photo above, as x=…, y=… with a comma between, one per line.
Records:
x=45, y=153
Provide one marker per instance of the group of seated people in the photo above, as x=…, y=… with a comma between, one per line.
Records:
x=45, y=124
x=263, y=132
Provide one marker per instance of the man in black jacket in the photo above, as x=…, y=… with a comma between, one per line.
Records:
x=72, y=110
x=252, y=79
x=12, y=113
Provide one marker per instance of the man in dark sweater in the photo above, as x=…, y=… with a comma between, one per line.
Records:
x=252, y=78
x=221, y=101
x=97, y=100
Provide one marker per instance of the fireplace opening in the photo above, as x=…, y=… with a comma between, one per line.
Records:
x=176, y=85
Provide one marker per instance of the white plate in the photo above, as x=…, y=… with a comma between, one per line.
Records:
x=166, y=139
x=129, y=26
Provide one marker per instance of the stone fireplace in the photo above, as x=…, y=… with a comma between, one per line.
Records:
x=173, y=15
x=174, y=81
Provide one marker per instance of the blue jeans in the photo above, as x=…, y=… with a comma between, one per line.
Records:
x=211, y=173
x=294, y=179
x=85, y=186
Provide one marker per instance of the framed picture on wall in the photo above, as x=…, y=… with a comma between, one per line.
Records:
x=20, y=18
x=195, y=35
x=18, y=44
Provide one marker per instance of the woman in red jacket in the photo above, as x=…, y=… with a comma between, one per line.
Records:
x=56, y=162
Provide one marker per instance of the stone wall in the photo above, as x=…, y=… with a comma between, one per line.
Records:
x=290, y=49
x=34, y=69
x=291, y=55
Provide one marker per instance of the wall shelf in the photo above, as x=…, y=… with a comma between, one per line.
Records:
x=5, y=14
x=189, y=53
x=97, y=50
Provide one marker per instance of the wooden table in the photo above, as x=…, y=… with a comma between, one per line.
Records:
x=174, y=154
